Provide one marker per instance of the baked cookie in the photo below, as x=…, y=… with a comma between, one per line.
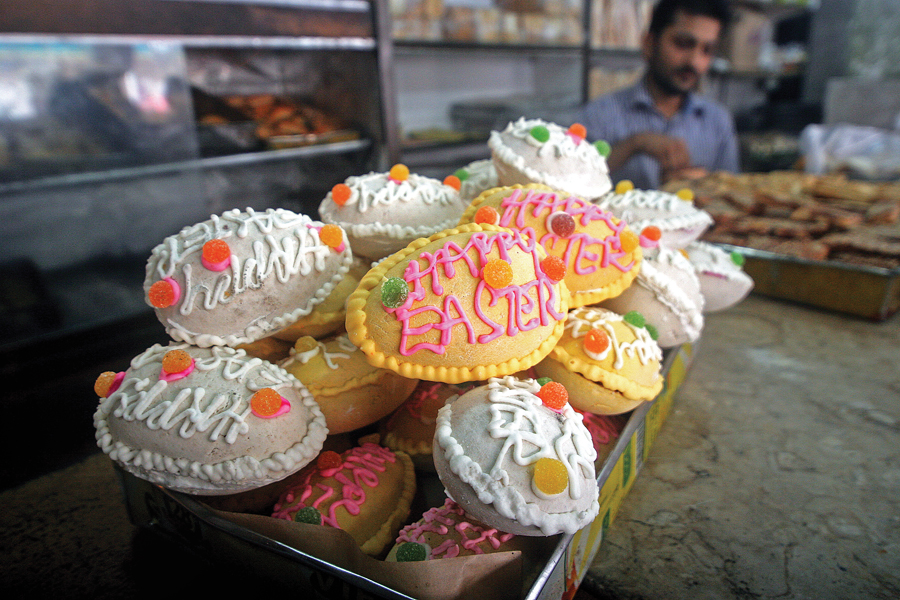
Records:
x=609, y=363
x=678, y=220
x=516, y=456
x=383, y=212
x=411, y=427
x=535, y=151
x=351, y=392
x=601, y=255
x=447, y=532
x=366, y=491
x=463, y=305
x=666, y=292
x=243, y=275
x=723, y=283
x=207, y=421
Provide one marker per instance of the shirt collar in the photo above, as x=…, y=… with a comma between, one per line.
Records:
x=640, y=97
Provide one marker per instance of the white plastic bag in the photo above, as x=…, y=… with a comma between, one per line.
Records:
x=863, y=152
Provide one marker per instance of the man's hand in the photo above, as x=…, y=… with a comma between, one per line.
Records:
x=671, y=152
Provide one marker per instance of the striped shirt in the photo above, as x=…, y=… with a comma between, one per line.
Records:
x=706, y=127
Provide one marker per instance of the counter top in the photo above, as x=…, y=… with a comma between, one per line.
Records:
x=776, y=475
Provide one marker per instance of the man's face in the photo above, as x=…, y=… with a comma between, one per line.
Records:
x=679, y=57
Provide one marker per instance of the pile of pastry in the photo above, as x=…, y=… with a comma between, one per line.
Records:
x=483, y=328
x=815, y=217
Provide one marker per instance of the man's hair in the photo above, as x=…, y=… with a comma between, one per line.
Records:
x=666, y=11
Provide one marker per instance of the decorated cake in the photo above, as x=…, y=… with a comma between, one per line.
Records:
x=723, y=281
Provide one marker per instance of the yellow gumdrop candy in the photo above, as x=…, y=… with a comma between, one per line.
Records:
x=306, y=343
x=685, y=194
x=550, y=476
x=624, y=186
x=399, y=172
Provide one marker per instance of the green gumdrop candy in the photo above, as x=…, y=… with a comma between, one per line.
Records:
x=603, y=148
x=654, y=333
x=308, y=514
x=461, y=174
x=394, y=292
x=634, y=318
x=542, y=381
x=737, y=258
x=540, y=133
x=411, y=552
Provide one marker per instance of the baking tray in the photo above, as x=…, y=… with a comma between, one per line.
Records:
x=870, y=292
x=191, y=523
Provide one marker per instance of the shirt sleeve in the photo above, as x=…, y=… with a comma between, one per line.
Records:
x=728, y=158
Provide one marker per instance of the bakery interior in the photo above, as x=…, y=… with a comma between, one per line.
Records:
x=776, y=472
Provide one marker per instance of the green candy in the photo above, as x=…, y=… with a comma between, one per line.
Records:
x=635, y=318
x=461, y=174
x=394, y=292
x=603, y=148
x=308, y=514
x=737, y=258
x=654, y=333
x=540, y=133
x=411, y=552
x=543, y=381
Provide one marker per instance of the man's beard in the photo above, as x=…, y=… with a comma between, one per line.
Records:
x=667, y=85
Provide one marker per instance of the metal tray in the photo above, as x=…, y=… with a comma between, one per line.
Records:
x=870, y=292
x=193, y=524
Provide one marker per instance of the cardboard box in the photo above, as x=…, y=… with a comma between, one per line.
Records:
x=751, y=31
x=241, y=541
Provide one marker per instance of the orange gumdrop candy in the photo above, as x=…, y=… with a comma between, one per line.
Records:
x=651, y=232
x=266, y=402
x=329, y=460
x=554, y=267
x=453, y=181
x=161, y=294
x=497, y=273
x=176, y=361
x=550, y=476
x=630, y=241
x=216, y=251
x=596, y=341
x=399, y=172
x=341, y=194
x=554, y=395
x=332, y=236
x=487, y=214
x=578, y=130
x=103, y=383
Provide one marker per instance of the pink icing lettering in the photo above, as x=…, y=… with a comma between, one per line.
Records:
x=440, y=520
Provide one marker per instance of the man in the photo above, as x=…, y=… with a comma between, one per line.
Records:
x=659, y=129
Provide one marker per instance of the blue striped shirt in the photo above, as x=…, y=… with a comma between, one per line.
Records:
x=706, y=127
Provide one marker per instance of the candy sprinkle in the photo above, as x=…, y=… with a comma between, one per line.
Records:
x=461, y=174
x=487, y=214
x=635, y=318
x=453, y=181
x=332, y=236
x=308, y=514
x=329, y=459
x=561, y=223
x=737, y=258
x=630, y=241
x=554, y=395
x=306, y=343
x=543, y=380
x=596, y=341
x=624, y=186
x=554, y=268
x=394, y=292
x=603, y=148
x=653, y=331
x=216, y=252
x=685, y=194
x=266, y=402
x=164, y=293
x=103, y=384
x=399, y=172
x=550, y=476
x=651, y=232
x=411, y=552
x=578, y=130
x=341, y=194
x=176, y=361
x=540, y=133
x=497, y=273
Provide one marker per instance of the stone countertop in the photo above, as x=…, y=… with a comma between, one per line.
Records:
x=776, y=475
